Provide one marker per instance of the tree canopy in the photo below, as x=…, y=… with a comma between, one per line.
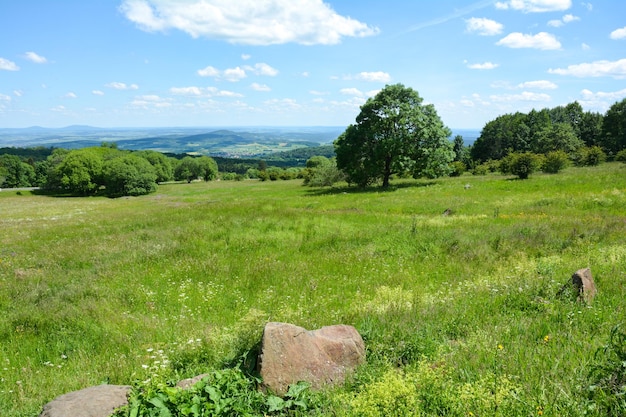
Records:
x=394, y=134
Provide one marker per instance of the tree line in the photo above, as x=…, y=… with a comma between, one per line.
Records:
x=394, y=135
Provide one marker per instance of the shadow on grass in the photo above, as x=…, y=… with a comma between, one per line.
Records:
x=348, y=189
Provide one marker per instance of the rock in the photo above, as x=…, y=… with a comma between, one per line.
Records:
x=189, y=382
x=98, y=401
x=582, y=280
x=322, y=357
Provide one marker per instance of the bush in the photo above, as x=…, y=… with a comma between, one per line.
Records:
x=521, y=164
x=554, y=162
x=621, y=156
x=458, y=168
x=590, y=156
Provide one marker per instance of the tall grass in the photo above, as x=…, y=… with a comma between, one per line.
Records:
x=97, y=290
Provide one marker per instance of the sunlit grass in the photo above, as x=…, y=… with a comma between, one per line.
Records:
x=97, y=290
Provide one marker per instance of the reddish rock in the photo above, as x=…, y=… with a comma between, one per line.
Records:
x=290, y=354
x=582, y=280
x=98, y=401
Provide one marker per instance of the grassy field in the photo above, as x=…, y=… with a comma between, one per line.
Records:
x=460, y=313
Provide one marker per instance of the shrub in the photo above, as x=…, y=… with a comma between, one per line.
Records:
x=458, y=168
x=521, y=164
x=590, y=156
x=621, y=156
x=554, y=162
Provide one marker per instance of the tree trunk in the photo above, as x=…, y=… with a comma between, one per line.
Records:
x=387, y=172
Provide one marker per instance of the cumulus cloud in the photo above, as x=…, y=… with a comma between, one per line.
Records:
x=33, y=57
x=151, y=101
x=206, y=92
x=7, y=65
x=523, y=96
x=238, y=73
x=70, y=95
x=539, y=85
x=483, y=66
x=541, y=40
x=250, y=22
x=604, y=68
x=377, y=76
x=260, y=87
x=600, y=100
x=619, y=33
x=483, y=26
x=535, y=6
x=568, y=18
x=97, y=92
x=122, y=86
x=352, y=92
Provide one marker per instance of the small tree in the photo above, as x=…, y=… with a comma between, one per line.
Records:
x=207, y=168
x=187, y=169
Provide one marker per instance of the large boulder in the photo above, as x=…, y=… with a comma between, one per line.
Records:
x=322, y=357
x=98, y=401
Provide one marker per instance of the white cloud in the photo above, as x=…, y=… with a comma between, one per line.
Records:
x=585, y=47
x=541, y=40
x=615, y=69
x=282, y=104
x=262, y=69
x=483, y=66
x=305, y=74
x=7, y=65
x=319, y=93
x=97, y=92
x=523, y=96
x=4, y=97
x=33, y=57
x=194, y=91
x=535, y=6
x=18, y=93
x=539, y=85
x=70, y=95
x=377, y=76
x=251, y=22
x=483, y=26
x=151, y=100
x=260, y=87
x=245, y=57
x=58, y=108
x=122, y=86
x=233, y=74
x=238, y=73
x=600, y=101
x=619, y=33
x=568, y=18
x=352, y=92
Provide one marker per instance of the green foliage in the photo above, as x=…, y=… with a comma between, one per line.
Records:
x=223, y=393
x=614, y=128
x=607, y=389
x=621, y=156
x=394, y=134
x=187, y=169
x=555, y=161
x=129, y=175
x=322, y=172
x=15, y=173
x=521, y=164
x=458, y=168
x=162, y=165
x=589, y=156
x=80, y=171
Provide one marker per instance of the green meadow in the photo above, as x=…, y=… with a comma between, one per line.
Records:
x=461, y=313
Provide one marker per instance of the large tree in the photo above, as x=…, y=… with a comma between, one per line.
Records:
x=614, y=128
x=394, y=134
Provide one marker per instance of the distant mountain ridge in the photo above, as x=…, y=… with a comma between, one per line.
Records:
x=238, y=142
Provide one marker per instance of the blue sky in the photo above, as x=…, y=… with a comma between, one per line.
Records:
x=150, y=63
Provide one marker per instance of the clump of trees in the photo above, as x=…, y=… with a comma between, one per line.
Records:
x=103, y=170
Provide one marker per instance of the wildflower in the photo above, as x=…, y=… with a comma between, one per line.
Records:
x=546, y=338
x=500, y=347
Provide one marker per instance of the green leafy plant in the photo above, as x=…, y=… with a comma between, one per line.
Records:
x=608, y=376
